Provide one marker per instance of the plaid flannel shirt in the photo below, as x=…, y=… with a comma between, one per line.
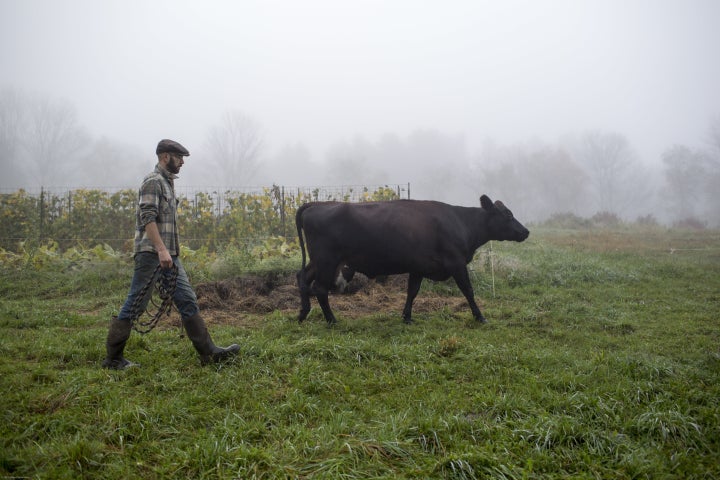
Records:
x=157, y=203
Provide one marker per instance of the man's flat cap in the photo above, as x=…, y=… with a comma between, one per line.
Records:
x=170, y=146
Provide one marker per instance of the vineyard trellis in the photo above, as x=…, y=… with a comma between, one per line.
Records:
x=209, y=218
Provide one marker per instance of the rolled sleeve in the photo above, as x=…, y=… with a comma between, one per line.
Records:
x=148, y=202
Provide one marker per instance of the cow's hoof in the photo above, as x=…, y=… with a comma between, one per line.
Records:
x=481, y=320
x=408, y=321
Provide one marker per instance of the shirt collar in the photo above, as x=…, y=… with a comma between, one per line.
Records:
x=162, y=171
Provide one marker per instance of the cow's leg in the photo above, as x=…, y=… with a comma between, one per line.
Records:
x=321, y=293
x=327, y=311
x=325, y=279
x=305, y=278
x=414, y=282
x=463, y=282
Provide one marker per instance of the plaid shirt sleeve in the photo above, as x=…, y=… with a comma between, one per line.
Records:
x=148, y=201
x=156, y=203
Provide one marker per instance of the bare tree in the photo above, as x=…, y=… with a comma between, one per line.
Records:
x=614, y=172
x=53, y=141
x=539, y=180
x=352, y=163
x=40, y=140
x=436, y=164
x=291, y=165
x=12, y=119
x=554, y=182
x=235, y=145
x=685, y=173
x=103, y=157
x=429, y=160
x=712, y=186
x=714, y=140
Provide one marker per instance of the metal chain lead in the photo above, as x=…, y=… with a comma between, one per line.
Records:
x=164, y=281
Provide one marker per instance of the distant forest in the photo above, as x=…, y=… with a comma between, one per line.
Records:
x=43, y=144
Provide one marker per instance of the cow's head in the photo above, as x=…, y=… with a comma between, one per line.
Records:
x=501, y=223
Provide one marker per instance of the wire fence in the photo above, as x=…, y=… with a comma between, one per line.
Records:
x=208, y=217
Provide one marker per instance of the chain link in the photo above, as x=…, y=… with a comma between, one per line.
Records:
x=164, y=281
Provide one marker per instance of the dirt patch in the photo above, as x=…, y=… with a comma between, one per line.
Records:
x=239, y=301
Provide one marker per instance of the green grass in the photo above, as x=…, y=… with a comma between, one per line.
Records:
x=601, y=360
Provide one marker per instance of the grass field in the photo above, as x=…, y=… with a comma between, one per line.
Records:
x=601, y=359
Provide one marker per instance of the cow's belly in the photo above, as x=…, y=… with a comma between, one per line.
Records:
x=395, y=266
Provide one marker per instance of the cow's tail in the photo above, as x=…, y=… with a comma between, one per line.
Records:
x=302, y=275
x=299, y=226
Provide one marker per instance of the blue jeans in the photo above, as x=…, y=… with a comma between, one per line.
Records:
x=145, y=265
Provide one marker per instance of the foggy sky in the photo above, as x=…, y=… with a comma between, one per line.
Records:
x=316, y=72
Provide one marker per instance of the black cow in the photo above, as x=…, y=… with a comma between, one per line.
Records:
x=425, y=239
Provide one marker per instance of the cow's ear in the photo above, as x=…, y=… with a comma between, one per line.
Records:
x=486, y=203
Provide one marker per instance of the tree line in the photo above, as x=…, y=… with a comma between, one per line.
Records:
x=42, y=142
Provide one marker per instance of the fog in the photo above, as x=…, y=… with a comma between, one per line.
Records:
x=457, y=98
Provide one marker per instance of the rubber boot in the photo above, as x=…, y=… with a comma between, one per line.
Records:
x=198, y=334
x=117, y=338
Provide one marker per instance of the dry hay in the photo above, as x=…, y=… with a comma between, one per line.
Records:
x=242, y=301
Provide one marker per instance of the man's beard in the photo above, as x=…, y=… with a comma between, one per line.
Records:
x=173, y=167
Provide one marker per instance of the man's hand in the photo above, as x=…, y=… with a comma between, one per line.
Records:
x=165, y=259
x=154, y=235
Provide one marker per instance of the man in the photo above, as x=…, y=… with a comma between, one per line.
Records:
x=157, y=242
